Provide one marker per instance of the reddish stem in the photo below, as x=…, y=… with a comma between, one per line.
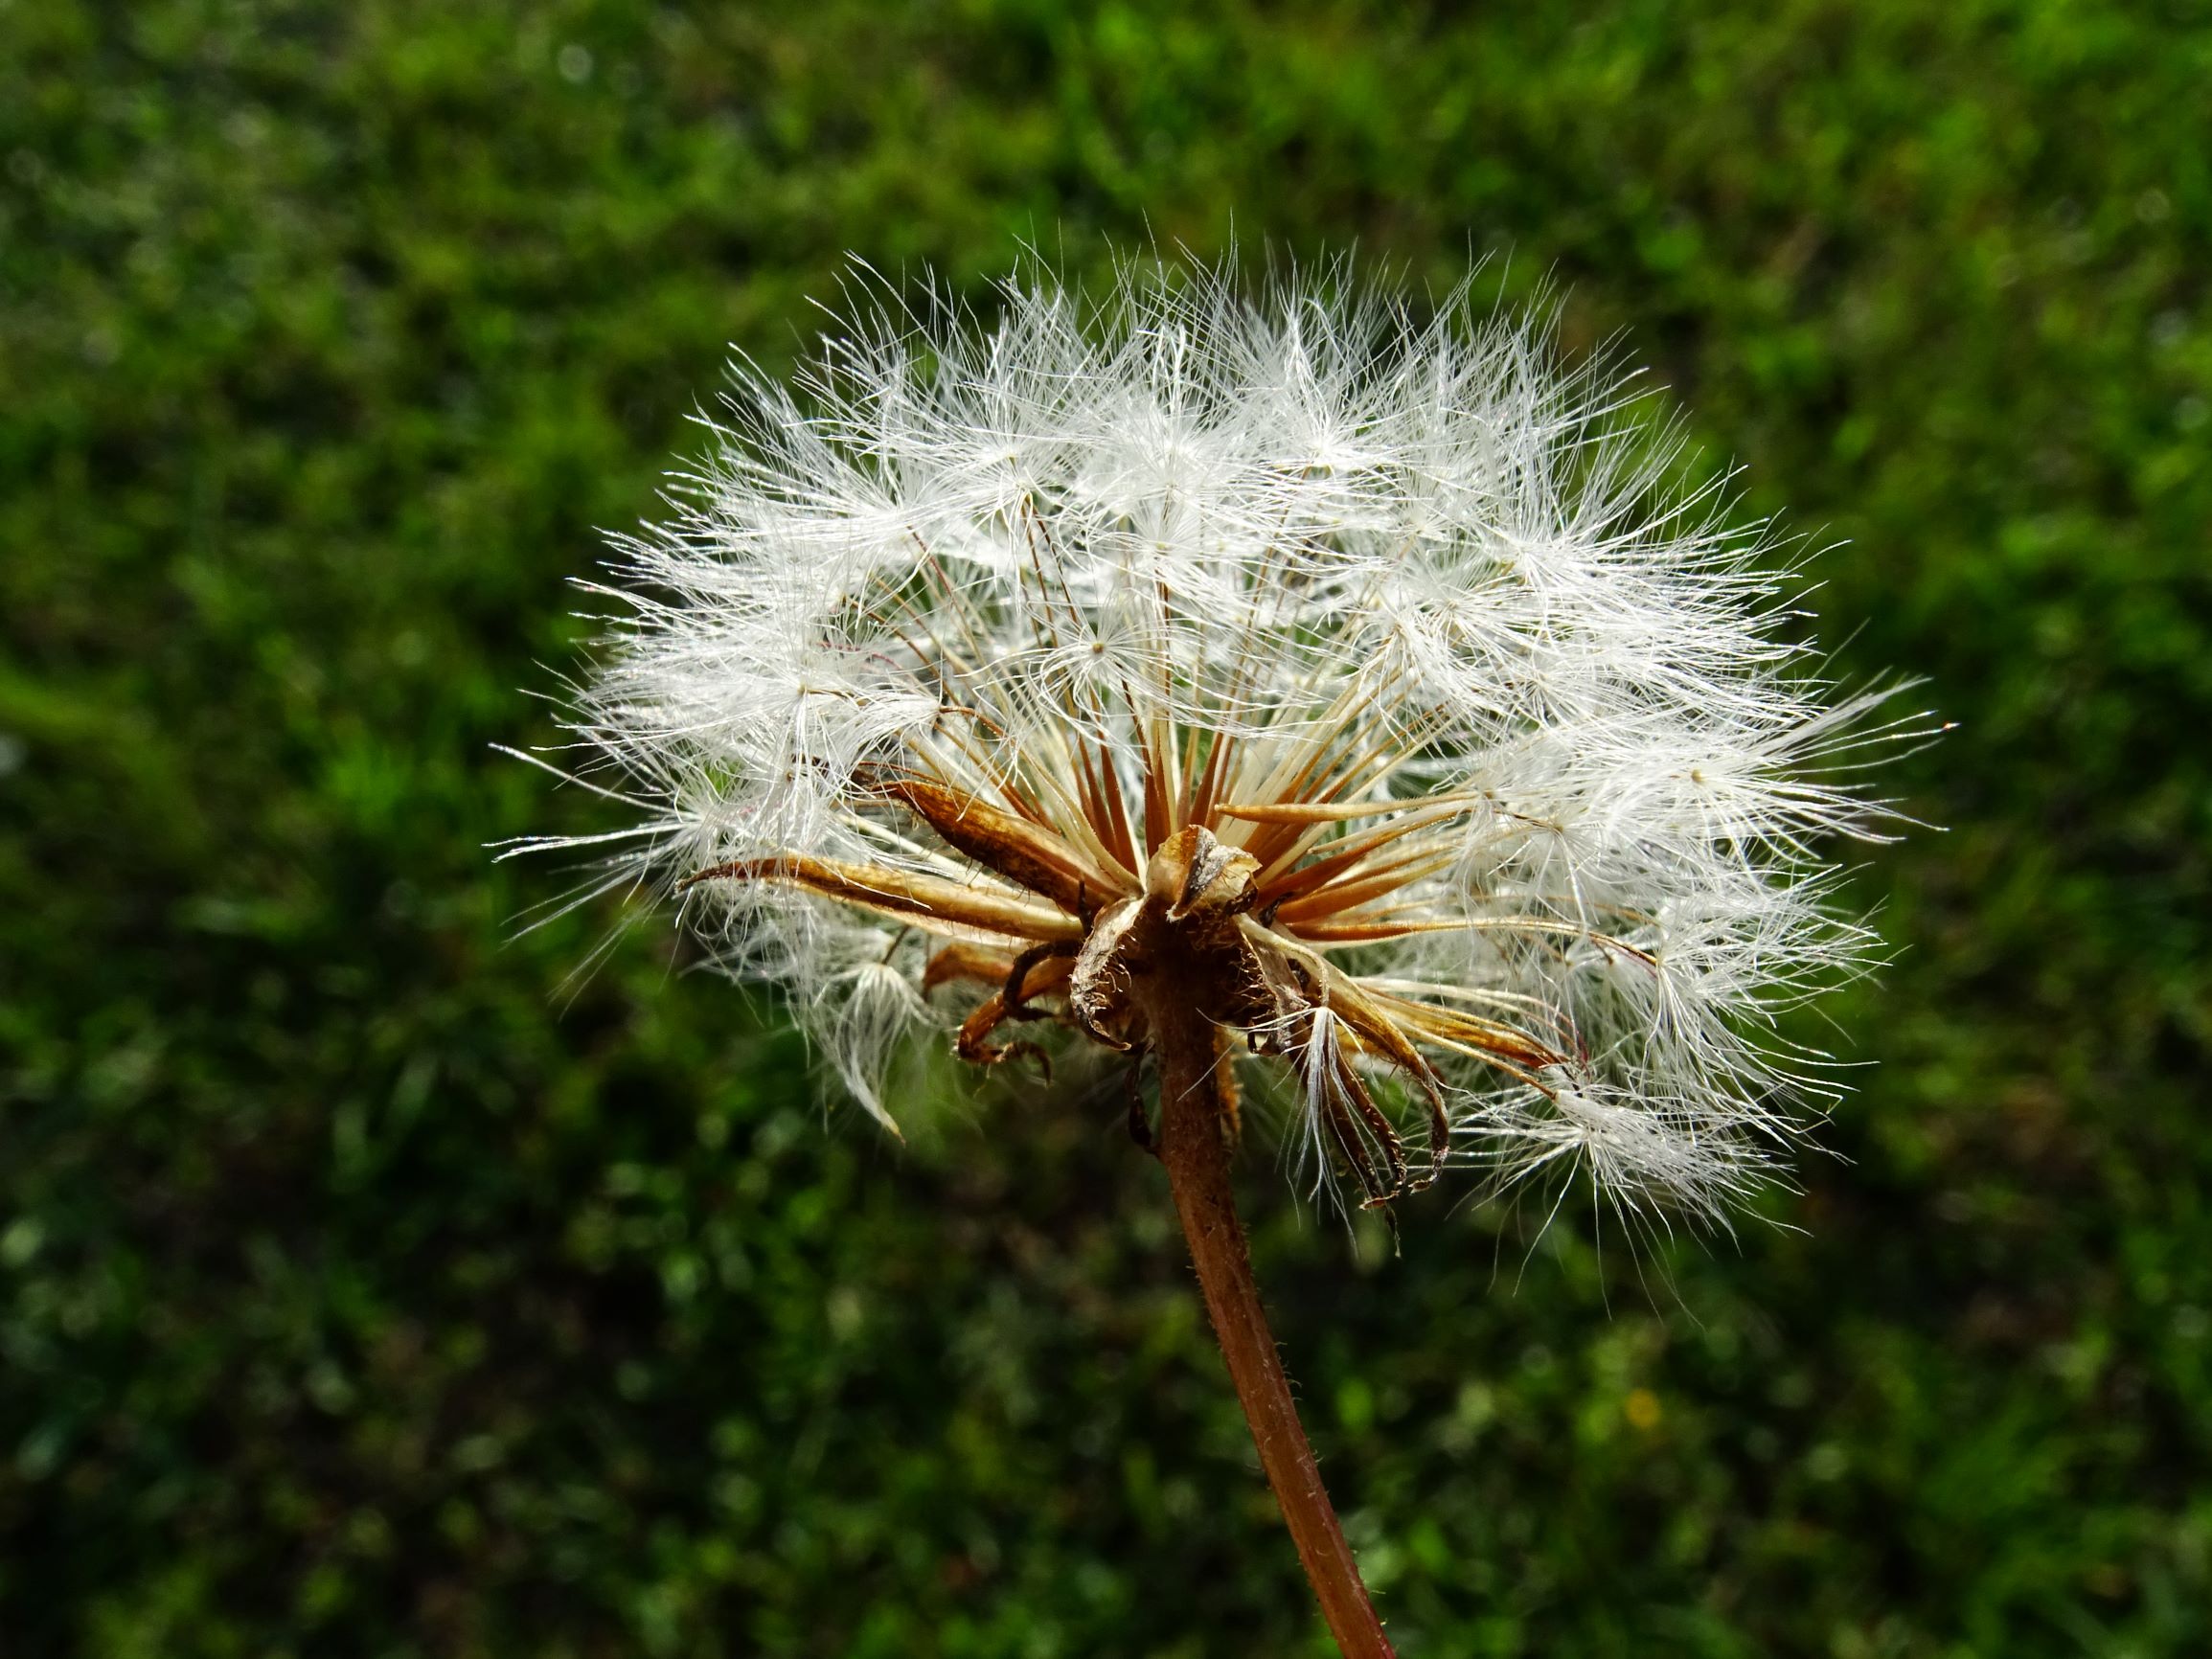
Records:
x=1196, y=1111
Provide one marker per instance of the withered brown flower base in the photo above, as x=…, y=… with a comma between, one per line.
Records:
x=1168, y=960
x=1174, y=970
x=1170, y=972
x=1179, y=950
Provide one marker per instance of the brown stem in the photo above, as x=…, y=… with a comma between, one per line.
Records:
x=1195, y=1110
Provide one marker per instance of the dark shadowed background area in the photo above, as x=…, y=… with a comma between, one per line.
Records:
x=359, y=1297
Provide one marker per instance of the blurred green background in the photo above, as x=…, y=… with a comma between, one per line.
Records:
x=362, y=1298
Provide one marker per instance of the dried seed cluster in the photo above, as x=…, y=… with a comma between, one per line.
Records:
x=1372, y=659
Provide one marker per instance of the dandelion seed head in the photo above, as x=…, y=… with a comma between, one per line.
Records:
x=1383, y=648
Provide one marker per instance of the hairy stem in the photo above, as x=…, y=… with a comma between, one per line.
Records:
x=1195, y=1110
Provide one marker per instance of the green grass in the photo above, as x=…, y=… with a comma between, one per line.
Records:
x=362, y=1297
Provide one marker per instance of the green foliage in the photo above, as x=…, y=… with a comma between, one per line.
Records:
x=364, y=1296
